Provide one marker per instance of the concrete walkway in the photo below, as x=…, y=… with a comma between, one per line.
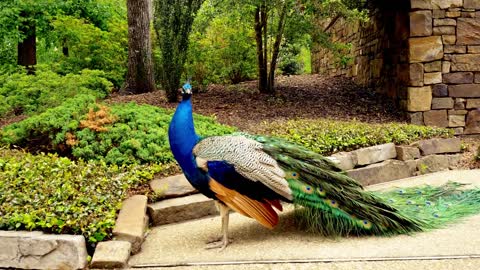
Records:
x=285, y=247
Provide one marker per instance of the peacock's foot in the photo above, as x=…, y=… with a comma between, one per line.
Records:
x=220, y=243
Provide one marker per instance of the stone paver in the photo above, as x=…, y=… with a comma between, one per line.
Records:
x=432, y=163
x=439, y=146
x=344, y=160
x=374, y=154
x=382, y=172
x=132, y=221
x=173, y=186
x=407, y=152
x=111, y=254
x=181, y=209
x=35, y=250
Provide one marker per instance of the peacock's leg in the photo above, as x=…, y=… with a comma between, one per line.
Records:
x=223, y=241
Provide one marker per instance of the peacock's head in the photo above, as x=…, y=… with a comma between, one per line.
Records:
x=186, y=91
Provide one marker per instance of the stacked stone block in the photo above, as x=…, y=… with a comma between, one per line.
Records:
x=429, y=62
x=444, y=64
x=324, y=60
x=373, y=59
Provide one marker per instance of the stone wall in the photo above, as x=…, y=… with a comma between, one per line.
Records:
x=423, y=53
x=378, y=49
x=444, y=70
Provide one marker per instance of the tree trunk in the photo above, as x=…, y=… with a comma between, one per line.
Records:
x=140, y=65
x=260, y=21
x=27, y=48
x=65, y=47
x=276, y=49
x=264, y=13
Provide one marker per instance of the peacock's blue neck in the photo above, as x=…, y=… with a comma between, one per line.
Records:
x=182, y=136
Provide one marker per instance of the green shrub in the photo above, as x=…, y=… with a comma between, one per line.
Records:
x=289, y=63
x=120, y=134
x=47, y=130
x=28, y=94
x=57, y=195
x=139, y=134
x=329, y=136
x=477, y=157
x=221, y=48
x=91, y=47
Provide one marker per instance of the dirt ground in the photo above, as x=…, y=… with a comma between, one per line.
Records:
x=302, y=96
x=471, y=144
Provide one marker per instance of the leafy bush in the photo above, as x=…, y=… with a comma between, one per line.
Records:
x=222, y=48
x=47, y=130
x=478, y=154
x=91, y=47
x=139, y=134
x=289, y=63
x=22, y=93
x=55, y=194
x=329, y=136
x=119, y=134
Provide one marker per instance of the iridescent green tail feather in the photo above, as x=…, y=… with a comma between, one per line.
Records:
x=435, y=206
x=333, y=204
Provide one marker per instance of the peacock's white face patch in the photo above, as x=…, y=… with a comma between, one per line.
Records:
x=187, y=89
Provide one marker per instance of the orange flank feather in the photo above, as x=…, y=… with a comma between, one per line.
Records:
x=260, y=211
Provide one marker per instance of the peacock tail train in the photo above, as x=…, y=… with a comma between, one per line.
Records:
x=334, y=204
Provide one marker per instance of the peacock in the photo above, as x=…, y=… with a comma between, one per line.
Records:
x=253, y=175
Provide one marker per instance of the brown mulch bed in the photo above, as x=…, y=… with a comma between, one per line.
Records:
x=302, y=96
x=11, y=119
x=472, y=144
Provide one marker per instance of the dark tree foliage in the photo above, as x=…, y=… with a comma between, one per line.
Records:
x=24, y=21
x=173, y=23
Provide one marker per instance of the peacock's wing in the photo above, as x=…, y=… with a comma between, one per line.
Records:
x=243, y=176
x=247, y=158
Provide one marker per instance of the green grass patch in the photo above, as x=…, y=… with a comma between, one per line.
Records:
x=117, y=134
x=28, y=94
x=329, y=136
x=54, y=194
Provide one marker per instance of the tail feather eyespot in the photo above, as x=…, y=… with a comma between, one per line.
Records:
x=292, y=175
x=308, y=189
x=321, y=192
x=364, y=223
x=332, y=203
